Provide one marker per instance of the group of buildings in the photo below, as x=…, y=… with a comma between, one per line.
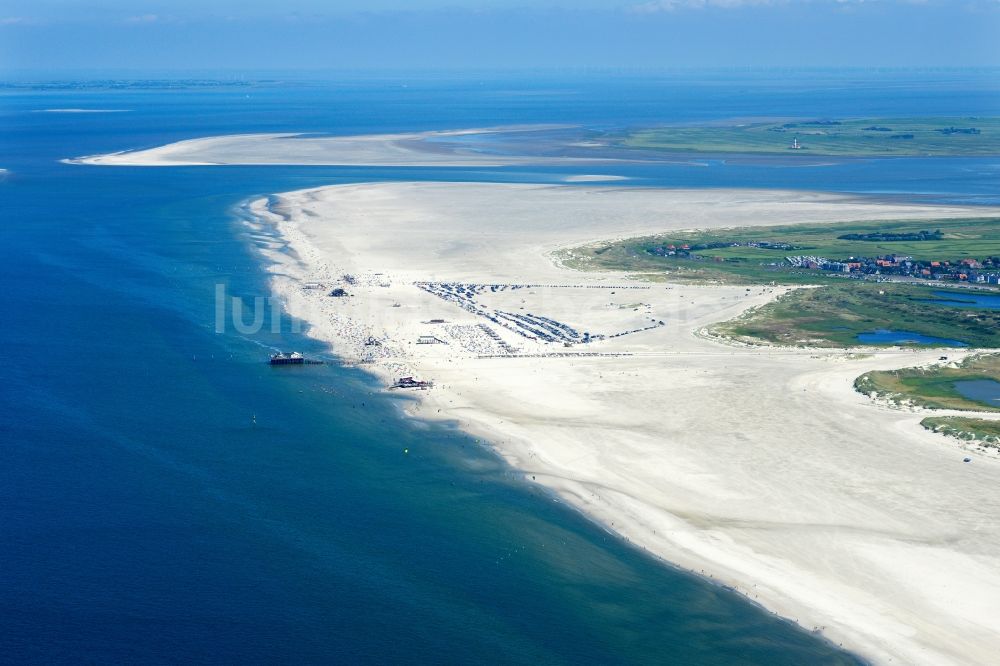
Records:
x=962, y=270
x=986, y=271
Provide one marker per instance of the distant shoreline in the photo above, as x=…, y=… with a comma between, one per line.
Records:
x=833, y=137
x=801, y=143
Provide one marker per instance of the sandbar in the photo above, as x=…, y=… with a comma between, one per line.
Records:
x=441, y=148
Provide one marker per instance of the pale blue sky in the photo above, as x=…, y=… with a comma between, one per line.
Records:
x=247, y=35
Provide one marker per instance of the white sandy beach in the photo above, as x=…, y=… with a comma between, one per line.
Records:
x=445, y=148
x=759, y=467
x=71, y=110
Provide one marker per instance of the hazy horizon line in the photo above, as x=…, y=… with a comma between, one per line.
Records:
x=233, y=74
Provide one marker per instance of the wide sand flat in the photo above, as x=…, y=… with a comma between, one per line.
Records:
x=759, y=467
x=446, y=148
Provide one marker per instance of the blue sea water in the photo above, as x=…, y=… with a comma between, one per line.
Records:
x=146, y=517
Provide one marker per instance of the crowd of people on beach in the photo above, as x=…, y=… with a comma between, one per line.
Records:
x=479, y=339
x=359, y=341
x=527, y=325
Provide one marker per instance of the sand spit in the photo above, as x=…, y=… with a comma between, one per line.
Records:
x=446, y=148
x=759, y=467
x=592, y=178
x=81, y=110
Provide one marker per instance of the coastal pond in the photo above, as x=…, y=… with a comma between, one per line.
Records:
x=986, y=391
x=884, y=336
x=965, y=300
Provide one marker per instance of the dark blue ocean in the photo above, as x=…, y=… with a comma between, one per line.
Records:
x=146, y=519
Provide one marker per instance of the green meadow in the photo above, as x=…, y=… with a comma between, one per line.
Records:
x=868, y=137
x=983, y=431
x=933, y=387
x=840, y=308
x=960, y=238
x=834, y=315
